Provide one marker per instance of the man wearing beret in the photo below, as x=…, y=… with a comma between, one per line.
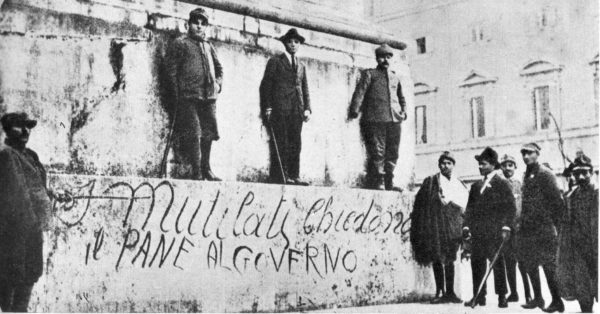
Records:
x=378, y=96
x=24, y=204
x=285, y=106
x=488, y=222
x=195, y=78
x=542, y=209
x=436, y=223
x=508, y=164
x=578, y=245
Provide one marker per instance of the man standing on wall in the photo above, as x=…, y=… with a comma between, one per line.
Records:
x=378, y=95
x=578, y=245
x=24, y=204
x=542, y=209
x=488, y=222
x=285, y=106
x=195, y=77
x=436, y=223
x=509, y=165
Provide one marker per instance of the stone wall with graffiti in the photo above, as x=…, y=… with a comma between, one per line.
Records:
x=130, y=244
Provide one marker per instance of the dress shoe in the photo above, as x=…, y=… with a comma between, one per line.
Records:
x=513, y=297
x=480, y=301
x=452, y=298
x=290, y=181
x=533, y=304
x=297, y=181
x=438, y=300
x=555, y=307
x=502, y=302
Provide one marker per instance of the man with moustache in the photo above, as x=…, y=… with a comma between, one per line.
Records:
x=436, y=223
x=285, y=106
x=542, y=209
x=24, y=204
x=195, y=78
x=578, y=245
x=508, y=165
x=378, y=96
x=488, y=222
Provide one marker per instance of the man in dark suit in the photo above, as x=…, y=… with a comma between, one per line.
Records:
x=378, y=96
x=285, y=106
x=488, y=222
x=542, y=209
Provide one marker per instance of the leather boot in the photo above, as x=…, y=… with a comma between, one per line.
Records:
x=389, y=183
x=205, y=147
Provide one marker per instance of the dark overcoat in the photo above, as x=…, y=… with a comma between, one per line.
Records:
x=542, y=209
x=435, y=228
x=487, y=213
x=23, y=205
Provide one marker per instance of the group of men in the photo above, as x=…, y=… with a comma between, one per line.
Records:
x=506, y=223
x=195, y=78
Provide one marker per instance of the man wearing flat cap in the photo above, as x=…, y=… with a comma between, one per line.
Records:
x=436, y=223
x=542, y=209
x=488, y=223
x=195, y=78
x=378, y=97
x=24, y=204
x=578, y=245
x=285, y=106
x=508, y=164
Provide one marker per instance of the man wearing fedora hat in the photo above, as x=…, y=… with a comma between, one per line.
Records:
x=542, y=209
x=195, y=78
x=578, y=245
x=436, y=223
x=488, y=222
x=285, y=106
x=378, y=96
x=508, y=165
x=24, y=204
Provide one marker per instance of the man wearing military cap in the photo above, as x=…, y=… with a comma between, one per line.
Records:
x=436, y=223
x=378, y=97
x=508, y=164
x=488, y=222
x=24, y=204
x=285, y=106
x=578, y=245
x=542, y=209
x=195, y=78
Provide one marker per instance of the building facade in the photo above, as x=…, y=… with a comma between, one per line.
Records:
x=499, y=74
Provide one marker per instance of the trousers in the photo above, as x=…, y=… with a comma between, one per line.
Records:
x=287, y=140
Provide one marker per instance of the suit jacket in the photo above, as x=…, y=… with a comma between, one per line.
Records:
x=378, y=95
x=488, y=212
x=282, y=89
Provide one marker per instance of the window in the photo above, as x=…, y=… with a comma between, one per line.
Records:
x=547, y=17
x=477, y=117
x=477, y=33
x=541, y=107
x=421, y=124
x=421, y=45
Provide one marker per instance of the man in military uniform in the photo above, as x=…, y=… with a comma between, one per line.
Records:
x=578, y=245
x=285, y=106
x=24, y=204
x=378, y=96
x=508, y=165
x=488, y=222
x=195, y=77
x=436, y=223
x=542, y=209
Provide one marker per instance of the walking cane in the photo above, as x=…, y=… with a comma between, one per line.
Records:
x=163, y=164
x=277, y=152
x=487, y=274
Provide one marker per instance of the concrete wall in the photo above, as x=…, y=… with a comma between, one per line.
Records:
x=131, y=244
x=509, y=35
x=91, y=74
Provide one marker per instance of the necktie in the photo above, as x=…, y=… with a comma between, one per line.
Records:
x=294, y=63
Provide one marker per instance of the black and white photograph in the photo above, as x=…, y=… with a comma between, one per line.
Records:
x=285, y=156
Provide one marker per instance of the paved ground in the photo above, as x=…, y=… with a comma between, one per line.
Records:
x=424, y=308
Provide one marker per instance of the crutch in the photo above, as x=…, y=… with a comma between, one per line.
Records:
x=487, y=274
x=277, y=152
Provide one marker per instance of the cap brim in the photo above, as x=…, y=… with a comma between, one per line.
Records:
x=30, y=123
x=283, y=39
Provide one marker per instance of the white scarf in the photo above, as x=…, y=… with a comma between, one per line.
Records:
x=453, y=190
